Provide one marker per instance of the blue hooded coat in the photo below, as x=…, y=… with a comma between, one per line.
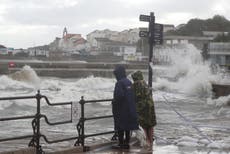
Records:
x=123, y=105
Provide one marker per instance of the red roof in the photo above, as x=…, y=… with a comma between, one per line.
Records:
x=68, y=36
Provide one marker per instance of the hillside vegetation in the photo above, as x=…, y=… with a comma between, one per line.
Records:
x=195, y=27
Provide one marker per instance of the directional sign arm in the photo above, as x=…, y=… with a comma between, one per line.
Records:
x=145, y=18
x=144, y=34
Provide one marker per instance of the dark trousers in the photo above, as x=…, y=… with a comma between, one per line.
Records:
x=123, y=137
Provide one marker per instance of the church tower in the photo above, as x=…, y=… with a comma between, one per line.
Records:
x=64, y=32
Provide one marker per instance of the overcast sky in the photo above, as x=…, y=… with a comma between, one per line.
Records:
x=26, y=23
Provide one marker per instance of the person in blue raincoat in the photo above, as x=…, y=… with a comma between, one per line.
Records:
x=123, y=108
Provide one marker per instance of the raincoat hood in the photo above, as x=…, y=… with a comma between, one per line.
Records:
x=119, y=72
x=137, y=76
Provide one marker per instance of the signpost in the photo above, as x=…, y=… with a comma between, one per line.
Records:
x=143, y=34
x=144, y=18
x=155, y=36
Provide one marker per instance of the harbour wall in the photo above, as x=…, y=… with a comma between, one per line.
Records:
x=221, y=90
x=70, y=69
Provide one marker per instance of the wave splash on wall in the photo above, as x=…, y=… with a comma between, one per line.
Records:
x=188, y=73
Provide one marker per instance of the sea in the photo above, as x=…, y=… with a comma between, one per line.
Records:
x=189, y=119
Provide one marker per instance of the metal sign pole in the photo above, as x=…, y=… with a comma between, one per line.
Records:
x=155, y=36
x=151, y=44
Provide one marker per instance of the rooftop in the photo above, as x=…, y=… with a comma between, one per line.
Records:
x=2, y=46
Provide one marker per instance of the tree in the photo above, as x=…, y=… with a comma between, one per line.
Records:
x=195, y=27
x=222, y=38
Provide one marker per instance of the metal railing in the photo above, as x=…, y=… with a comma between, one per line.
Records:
x=36, y=126
x=81, y=123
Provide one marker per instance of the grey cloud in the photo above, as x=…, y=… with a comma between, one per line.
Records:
x=88, y=12
x=83, y=12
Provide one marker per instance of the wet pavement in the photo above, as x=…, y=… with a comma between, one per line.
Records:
x=133, y=150
x=107, y=149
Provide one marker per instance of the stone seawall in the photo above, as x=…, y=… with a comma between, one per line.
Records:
x=221, y=90
x=70, y=69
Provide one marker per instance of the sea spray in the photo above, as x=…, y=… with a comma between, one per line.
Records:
x=221, y=101
x=188, y=73
x=28, y=75
x=96, y=83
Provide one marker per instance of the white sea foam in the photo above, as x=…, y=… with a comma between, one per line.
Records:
x=223, y=100
x=55, y=89
x=222, y=144
x=190, y=74
x=7, y=83
x=191, y=142
x=166, y=149
x=96, y=83
x=187, y=139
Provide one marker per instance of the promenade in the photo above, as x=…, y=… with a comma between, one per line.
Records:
x=103, y=148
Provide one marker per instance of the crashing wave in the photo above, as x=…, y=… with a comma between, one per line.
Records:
x=27, y=74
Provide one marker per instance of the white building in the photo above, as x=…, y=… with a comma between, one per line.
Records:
x=100, y=34
x=130, y=36
x=130, y=54
x=40, y=52
x=3, y=50
x=214, y=33
x=10, y=51
x=168, y=27
x=219, y=53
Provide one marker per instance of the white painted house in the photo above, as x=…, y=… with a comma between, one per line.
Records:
x=3, y=50
x=38, y=51
x=219, y=53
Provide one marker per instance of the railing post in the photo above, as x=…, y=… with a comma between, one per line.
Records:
x=38, y=114
x=82, y=122
x=81, y=126
x=82, y=102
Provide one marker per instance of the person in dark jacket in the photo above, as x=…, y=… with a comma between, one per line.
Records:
x=145, y=106
x=123, y=108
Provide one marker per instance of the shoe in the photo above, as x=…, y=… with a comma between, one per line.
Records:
x=119, y=146
x=125, y=146
x=145, y=151
x=150, y=149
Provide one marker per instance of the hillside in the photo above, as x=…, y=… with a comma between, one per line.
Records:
x=196, y=26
